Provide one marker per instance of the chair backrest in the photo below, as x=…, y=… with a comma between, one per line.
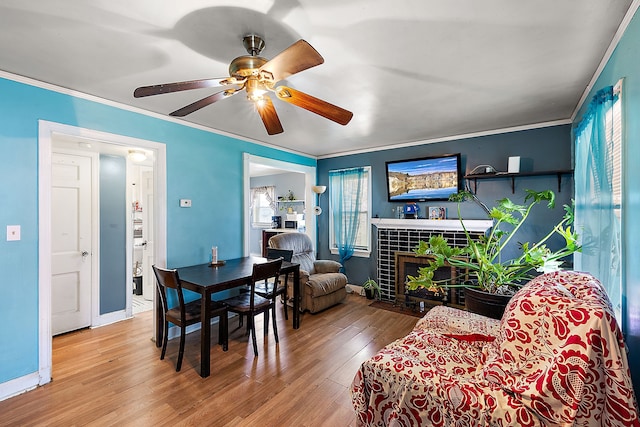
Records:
x=562, y=317
x=301, y=246
x=263, y=272
x=168, y=279
x=285, y=254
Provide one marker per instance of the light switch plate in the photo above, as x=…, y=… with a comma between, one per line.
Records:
x=13, y=232
x=185, y=203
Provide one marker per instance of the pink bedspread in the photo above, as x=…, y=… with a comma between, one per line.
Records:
x=556, y=358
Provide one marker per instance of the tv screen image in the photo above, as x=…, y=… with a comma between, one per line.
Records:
x=428, y=178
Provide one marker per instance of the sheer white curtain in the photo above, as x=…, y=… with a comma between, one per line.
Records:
x=263, y=205
x=346, y=198
x=597, y=213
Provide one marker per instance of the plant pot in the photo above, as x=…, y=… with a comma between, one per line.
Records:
x=485, y=303
x=370, y=293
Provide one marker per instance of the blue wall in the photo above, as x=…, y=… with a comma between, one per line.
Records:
x=625, y=63
x=202, y=166
x=113, y=263
x=540, y=150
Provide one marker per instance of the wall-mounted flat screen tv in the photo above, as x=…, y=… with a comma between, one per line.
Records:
x=428, y=178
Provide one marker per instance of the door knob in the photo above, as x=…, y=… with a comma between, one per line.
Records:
x=84, y=254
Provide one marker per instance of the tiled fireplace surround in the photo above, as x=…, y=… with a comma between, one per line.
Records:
x=403, y=235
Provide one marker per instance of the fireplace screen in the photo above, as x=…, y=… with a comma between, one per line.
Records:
x=407, y=264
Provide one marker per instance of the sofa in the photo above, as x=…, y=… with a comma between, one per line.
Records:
x=556, y=358
x=321, y=283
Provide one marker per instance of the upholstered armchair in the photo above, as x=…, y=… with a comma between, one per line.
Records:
x=321, y=283
x=556, y=358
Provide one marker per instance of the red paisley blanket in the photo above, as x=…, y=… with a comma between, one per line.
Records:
x=557, y=358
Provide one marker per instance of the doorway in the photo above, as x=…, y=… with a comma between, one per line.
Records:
x=141, y=187
x=265, y=165
x=84, y=139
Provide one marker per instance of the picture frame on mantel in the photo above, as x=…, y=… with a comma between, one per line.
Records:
x=437, y=212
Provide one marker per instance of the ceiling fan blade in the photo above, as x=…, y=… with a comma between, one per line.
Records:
x=269, y=116
x=179, y=86
x=203, y=102
x=297, y=57
x=313, y=104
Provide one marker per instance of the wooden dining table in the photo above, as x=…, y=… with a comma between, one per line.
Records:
x=207, y=279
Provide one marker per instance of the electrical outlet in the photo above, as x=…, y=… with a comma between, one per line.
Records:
x=185, y=203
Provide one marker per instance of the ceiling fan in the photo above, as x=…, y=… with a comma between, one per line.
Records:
x=258, y=76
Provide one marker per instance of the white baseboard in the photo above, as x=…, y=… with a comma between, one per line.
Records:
x=356, y=289
x=18, y=386
x=109, y=318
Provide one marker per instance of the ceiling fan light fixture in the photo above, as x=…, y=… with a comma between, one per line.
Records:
x=255, y=89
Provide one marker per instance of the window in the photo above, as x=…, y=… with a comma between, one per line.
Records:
x=263, y=206
x=614, y=140
x=349, y=204
x=598, y=195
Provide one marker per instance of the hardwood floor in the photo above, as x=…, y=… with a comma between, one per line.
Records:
x=114, y=376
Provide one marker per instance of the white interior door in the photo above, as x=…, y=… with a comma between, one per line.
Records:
x=71, y=243
x=148, y=278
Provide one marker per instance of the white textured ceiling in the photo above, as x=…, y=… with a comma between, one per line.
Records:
x=409, y=70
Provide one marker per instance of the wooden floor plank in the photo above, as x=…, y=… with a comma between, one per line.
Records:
x=114, y=376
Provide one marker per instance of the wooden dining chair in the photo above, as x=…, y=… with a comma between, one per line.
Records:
x=268, y=290
x=251, y=304
x=185, y=314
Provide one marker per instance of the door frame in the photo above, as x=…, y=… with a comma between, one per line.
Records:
x=46, y=133
x=309, y=180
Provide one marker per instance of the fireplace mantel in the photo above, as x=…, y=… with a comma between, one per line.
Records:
x=473, y=225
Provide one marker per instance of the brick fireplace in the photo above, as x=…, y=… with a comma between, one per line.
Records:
x=402, y=236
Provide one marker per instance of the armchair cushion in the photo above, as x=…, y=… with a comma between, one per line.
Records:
x=325, y=283
x=326, y=266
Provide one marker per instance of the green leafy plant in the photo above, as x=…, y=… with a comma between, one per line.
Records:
x=481, y=257
x=372, y=287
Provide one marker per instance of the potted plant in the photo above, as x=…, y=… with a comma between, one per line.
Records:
x=371, y=288
x=480, y=258
x=289, y=197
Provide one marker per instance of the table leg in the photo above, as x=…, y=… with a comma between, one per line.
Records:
x=205, y=337
x=296, y=298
